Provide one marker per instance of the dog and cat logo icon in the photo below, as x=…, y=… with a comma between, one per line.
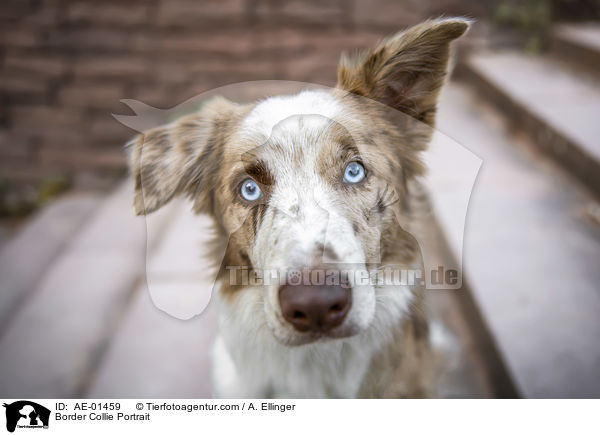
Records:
x=25, y=414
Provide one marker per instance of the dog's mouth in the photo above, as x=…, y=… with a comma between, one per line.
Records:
x=304, y=338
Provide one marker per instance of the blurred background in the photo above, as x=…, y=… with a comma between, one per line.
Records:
x=75, y=316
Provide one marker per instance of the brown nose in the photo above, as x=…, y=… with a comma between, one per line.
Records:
x=315, y=308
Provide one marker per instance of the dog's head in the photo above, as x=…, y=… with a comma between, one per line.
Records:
x=308, y=187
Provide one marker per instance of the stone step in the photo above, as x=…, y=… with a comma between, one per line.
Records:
x=25, y=257
x=529, y=255
x=556, y=106
x=165, y=336
x=155, y=355
x=52, y=342
x=578, y=44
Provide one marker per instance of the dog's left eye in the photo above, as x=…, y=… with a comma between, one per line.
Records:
x=250, y=190
x=354, y=173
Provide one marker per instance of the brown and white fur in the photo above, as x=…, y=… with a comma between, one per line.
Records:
x=296, y=148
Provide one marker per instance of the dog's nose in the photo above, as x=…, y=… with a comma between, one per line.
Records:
x=315, y=308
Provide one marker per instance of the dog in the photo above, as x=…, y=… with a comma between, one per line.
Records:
x=323, y=180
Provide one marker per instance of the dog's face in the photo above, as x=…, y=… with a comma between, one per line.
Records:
x=310, y=184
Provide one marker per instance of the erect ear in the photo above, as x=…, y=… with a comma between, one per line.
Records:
x=405, y=71
x=181, y=158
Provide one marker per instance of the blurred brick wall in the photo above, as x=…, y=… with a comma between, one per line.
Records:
x=64, y=65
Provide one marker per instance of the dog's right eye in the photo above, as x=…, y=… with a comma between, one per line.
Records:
x=354, y=173
x=250, y=190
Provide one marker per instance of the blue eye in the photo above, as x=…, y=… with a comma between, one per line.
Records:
x=354, y=173
x=250, y=190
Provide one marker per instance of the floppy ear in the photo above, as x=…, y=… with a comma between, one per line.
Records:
x=405, y=71
x=181, y=158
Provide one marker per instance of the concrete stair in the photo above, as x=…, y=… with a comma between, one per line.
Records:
x=579, y=44
x=27, y=256
x=553, y=99
x=530, y=256
x=531, y=251
x=77, y=286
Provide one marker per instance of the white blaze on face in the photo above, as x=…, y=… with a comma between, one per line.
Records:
x=270, y=112
x=304, y=214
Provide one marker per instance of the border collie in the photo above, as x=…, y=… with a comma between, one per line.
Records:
x=314, y=191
